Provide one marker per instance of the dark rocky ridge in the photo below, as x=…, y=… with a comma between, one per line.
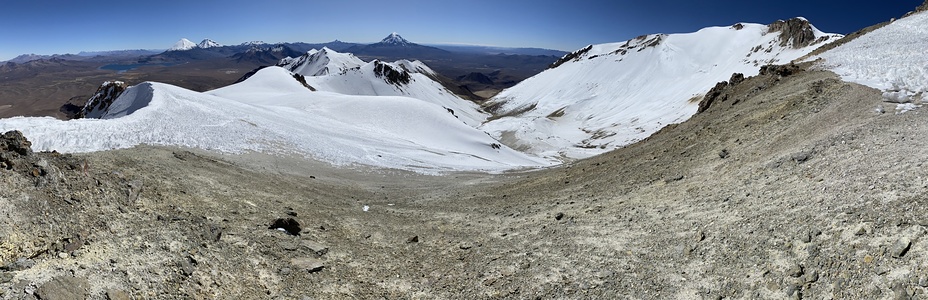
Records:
x=794, y=32
x=102, y=99
x=722, y=90
x=391, y=75
x=571, y=56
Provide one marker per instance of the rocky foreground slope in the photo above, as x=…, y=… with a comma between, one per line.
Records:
x=790, y=184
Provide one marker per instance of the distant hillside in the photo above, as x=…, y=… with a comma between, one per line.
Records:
x=489, y=50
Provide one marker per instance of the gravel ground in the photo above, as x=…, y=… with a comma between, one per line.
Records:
x=785, y=187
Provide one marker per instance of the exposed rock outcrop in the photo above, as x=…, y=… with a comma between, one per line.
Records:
x=780, y=70
x=103, y=98
x=795, y=32
x=391, y=75
x=721, y=91
x=715, y=94
x=571, y=56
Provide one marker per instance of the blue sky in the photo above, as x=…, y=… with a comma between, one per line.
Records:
x=48, y=27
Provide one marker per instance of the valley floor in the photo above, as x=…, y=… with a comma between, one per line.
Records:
x=789, y=187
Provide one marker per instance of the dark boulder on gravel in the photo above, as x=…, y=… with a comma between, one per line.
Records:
x=14, y=141
x=63, y=288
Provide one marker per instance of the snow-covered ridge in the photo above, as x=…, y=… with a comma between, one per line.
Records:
x=321, y=62
x=607, y=96
x=271, y=112
x=344, y=73
x=892, y=59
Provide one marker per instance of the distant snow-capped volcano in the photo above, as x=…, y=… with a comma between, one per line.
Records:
x=183, y=45
x=208, y=43
x=395, y=39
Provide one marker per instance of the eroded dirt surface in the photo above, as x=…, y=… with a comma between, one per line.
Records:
x=788, y=187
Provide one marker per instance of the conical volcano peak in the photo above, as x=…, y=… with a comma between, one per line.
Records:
x=182, y=45
x=395, y=39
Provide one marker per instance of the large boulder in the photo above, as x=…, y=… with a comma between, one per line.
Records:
x=14, y=141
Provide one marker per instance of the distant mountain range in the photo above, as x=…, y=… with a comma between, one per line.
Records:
x=475, y=72
x=394, y=46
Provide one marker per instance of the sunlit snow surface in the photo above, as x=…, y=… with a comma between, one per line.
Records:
x=273, y=113
x=344, y=73
x=893, y=58
x=620, y=93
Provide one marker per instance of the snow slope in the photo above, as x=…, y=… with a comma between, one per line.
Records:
x=610, y=95
x=183, y=45
x=343, y=73
x=321, y=62
x=272, y=112
x=893, y=59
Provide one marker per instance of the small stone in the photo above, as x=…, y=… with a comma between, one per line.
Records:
x=414, y=239
x=795, y=270
x=923, y=281
x=674, y=178
x=288, y=245
x=315, y=247
x=116, y=295
x=805, y=236
x=285, y=271
x=724, y=154
x=793, y=290
x=63, y=255
x=900, y=292
x=73, y=244
x=559, y=216
x=901, y=247
x=465, y=245
x=801, y=157
x=42, y=164
x=812, y=277
x=862, y=230
x=65, y=288
x=700, y=236
x=18, y=265
x=6, y=277
x=309, y=264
